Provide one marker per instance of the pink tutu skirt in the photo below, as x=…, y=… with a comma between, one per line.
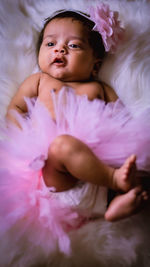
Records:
x=30, y=214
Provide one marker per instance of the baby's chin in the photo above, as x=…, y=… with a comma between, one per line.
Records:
x=61, y=76
x=69, y=78
x=64, y=77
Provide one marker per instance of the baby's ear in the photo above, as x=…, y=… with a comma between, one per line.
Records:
x=96, y=67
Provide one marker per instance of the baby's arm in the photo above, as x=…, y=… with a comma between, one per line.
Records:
x=29, y=88
x=109, y=93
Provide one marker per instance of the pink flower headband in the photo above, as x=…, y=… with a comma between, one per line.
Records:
x=103, y=20
x=108, y=25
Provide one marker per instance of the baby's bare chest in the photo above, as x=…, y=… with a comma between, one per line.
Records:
x=49, y=87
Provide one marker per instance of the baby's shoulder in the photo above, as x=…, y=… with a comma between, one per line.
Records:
x=29, y=86
x=33, y=78
x=99, y=89
x=93, y=89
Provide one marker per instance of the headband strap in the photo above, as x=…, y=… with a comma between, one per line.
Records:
x=69, y=10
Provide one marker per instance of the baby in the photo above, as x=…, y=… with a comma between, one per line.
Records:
x=70, y=53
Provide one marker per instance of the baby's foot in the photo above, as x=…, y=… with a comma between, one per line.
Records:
x=124, y=177
x=127, y=204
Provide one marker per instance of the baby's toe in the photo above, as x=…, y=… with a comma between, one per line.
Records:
x=137, y=190
x=145, y=195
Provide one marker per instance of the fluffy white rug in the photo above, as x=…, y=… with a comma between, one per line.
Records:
x=99, y=243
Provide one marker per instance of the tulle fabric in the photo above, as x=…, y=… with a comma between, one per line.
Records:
x=110, y=130
x=31, y=214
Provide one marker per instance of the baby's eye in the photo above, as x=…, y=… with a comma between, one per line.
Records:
x=74, y=46
x=50, y=44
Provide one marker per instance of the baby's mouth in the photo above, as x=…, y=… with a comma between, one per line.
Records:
x=59, y=61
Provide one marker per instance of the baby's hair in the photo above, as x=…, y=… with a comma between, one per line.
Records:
x=94, y=37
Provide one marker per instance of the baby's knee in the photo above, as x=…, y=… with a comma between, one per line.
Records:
x=62, y=146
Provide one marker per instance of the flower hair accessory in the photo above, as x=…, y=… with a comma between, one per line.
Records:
x=108, y=25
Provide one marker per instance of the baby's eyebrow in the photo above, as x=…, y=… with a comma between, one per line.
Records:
x=49, y=36
x=71, y=37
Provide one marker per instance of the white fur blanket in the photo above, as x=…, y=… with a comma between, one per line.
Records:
x=98, y=243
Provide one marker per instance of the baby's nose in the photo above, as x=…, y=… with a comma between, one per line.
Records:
x=61, y=50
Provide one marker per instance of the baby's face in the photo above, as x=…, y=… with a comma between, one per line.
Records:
x=65, y=53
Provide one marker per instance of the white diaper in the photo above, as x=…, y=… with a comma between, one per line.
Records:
x=89, y=199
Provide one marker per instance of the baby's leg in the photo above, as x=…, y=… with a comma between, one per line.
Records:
x=69, y=159
x=127, y=204
x=54, y=172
